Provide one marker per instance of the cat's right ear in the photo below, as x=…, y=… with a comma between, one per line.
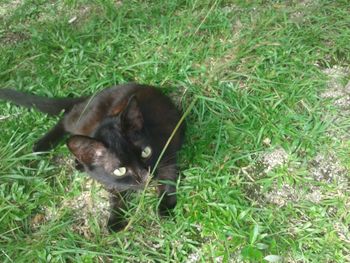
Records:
x=131, y=116
x=87, y=150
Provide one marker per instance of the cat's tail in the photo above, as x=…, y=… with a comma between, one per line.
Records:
x=50, y=106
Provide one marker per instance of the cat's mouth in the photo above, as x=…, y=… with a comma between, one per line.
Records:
x=125, y=187
x=143, y=178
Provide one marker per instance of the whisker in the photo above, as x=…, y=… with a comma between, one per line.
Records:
x=167, y=166
x=168, y=157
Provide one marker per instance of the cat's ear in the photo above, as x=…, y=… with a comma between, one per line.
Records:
x=87, y=150
x=131, y=116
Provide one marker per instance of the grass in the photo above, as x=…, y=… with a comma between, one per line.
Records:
x=256, y=70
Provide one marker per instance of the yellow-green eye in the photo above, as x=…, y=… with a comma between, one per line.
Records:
x=146, y=152
x=120, y=171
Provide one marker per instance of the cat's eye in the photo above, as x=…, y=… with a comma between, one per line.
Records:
x=146, y=152
x=120, y=171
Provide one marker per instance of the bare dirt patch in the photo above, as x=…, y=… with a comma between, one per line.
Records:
x=274, y=159
x=281, y=195
x=266, y=162
x=323, y=169
x=12, y=38
x=90, y=204
x=335, y=87
x=75, y=16
x=328, y=169
x=284, y=194
x=7, y=7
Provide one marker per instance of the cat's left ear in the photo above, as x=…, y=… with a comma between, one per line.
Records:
x=87, y=150
x=131, y=116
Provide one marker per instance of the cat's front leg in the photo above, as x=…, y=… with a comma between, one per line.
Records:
x=79, y=166
x=50, y=139
x=167, y=176
x=118, y=206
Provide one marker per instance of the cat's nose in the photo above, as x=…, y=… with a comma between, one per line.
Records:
x=144, y=175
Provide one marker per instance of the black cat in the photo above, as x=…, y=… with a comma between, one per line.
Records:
x=117, y=137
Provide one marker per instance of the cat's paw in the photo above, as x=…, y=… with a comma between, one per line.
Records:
x=165, y=212
x=41, y=146
x=114, y=225
x=167, y=205
x=79, y=166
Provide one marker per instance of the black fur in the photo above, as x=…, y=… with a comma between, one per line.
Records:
x=46, y=105
x=111, y=132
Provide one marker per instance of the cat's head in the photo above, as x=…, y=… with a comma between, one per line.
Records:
x=119, y=153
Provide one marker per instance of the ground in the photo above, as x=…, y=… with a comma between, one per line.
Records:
x=265, y=165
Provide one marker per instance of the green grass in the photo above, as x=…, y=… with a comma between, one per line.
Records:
x=255, y=68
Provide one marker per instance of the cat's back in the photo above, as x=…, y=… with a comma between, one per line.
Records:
x=159, y=113
x=85, y=117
